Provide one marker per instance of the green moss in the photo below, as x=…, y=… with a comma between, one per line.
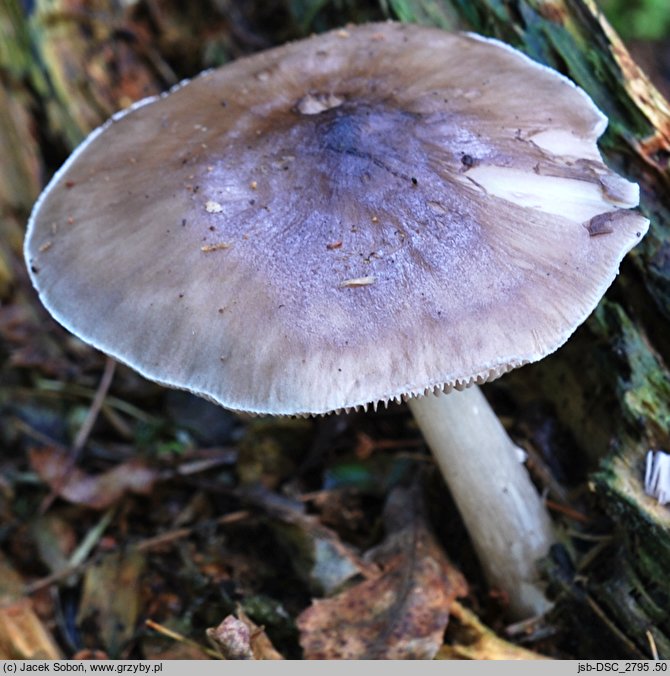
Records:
x=426, y=12
x=642, y=381
x=641, y=20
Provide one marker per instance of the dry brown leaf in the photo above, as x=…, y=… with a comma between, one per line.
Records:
x=55, y=538
x=475, y=641
x=23, y=636
x=97, y=491
x=471, y=640
x=111, y=599
x=261, y=646
x=400, y=614
x=22, y=633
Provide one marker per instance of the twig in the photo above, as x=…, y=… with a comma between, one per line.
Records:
x=593, y=553
x=613, y=628
x=56, y=577
x=92, y=538
x=96, y=405
x=180, y=638
x=568, y=511
x=83, y=434
x=179, y=533
x=589, y=537
x=652, y=645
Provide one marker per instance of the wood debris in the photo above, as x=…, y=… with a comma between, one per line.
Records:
x=208, y=248
x=357, y=281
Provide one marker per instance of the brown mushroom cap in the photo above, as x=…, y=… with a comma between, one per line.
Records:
x=359, y=216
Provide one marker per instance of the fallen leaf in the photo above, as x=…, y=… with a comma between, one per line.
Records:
x=23, y=636
x=317, y=555
x=471, y=640
x=55, y=539
x=261, y=646
x=111, y=599
x=22, y=633
x=400, y=614
x=97, y=491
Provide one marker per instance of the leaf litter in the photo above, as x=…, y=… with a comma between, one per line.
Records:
x=402, y=612
x=23, y=634
x=95, y=491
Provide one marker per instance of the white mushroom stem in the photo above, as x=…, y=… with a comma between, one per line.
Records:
x=505, y=517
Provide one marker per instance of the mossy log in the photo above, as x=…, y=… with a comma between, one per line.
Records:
x=65, y=65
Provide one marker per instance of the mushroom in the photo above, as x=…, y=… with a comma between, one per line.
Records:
x=380, y=213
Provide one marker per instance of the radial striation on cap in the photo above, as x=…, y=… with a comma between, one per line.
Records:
x=348, y=219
